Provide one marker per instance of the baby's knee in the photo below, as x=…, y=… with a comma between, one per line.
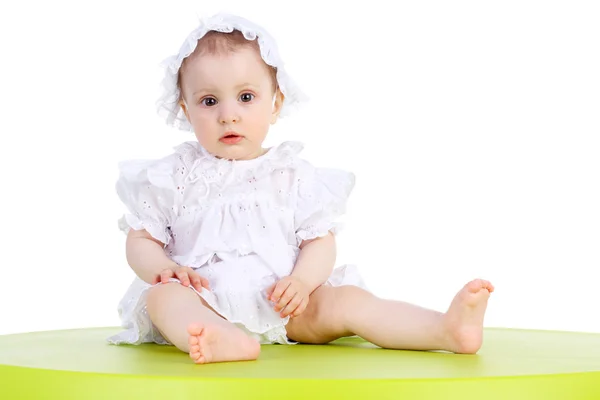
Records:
x=154, y=295
x=332, y=303
x=349, y=294
x=157, y=295
x=348, y=298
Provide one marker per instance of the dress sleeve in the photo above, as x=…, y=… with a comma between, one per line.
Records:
x=149, y=190
x=321, y=200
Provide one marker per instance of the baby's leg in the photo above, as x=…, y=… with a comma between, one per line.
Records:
x=187, y=322
x=348, y=310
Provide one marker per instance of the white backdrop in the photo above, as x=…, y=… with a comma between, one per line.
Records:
x=473, y=128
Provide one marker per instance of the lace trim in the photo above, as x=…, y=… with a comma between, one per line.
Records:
x=157, y=230
x=201, y=165
x=140, y=329
x=318, y=230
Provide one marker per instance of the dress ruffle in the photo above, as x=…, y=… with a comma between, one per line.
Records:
x=322, y=198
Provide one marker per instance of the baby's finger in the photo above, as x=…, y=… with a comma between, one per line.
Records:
x=196, y=281
x=291, y=306
x=166, y=275
x=183, y=276
x=194, y=278
x=301, y=308
x=286, y=297
x=281, y=287
x=270, y=290
x=204, y=283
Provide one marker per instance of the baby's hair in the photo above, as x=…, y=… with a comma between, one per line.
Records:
x=214, y=42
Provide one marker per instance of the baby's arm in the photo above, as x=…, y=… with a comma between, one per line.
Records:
x=146, y=255
x=147, y=258
x=316, y=261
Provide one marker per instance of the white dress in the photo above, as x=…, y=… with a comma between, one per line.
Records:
x=238, y=223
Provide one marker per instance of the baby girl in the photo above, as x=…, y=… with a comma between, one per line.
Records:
x=233, y=244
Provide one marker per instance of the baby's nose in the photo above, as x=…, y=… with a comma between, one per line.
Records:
x=229, y=114
x=229, y=119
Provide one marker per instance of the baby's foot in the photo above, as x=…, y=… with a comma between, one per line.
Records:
x=464, y=319
x=214, y=343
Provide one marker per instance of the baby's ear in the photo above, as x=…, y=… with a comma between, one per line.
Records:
x=185, y=110
x=279, y=97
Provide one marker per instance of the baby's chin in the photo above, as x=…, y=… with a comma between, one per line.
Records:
x=240, y=151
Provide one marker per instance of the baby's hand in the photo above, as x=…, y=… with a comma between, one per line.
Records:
x=290, y=296
x=185, y=274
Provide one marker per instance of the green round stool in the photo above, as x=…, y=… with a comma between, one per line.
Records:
x=512, y=364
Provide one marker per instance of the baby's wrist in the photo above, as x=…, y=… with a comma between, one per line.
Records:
x=303, y=280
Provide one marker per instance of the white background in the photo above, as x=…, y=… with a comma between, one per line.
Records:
x=473, y=129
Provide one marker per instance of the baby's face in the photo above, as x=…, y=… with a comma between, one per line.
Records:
x=229, y=102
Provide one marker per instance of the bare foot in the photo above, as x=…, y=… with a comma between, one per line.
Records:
x=464, y=319
x=214, y=343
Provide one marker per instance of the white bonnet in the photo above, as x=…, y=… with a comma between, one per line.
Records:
x=168, y=106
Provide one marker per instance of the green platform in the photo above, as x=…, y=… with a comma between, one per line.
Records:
x=513, y=364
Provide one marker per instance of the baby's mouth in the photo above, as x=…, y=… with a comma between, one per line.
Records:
x=231, y=138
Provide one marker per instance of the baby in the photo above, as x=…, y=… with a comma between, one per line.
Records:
x=233, y=244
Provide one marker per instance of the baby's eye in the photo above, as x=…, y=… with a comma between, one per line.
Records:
x=246, y=97
x=208, y=101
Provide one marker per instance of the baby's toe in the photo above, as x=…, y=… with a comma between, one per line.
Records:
x=195, y=329
x=477, y=284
